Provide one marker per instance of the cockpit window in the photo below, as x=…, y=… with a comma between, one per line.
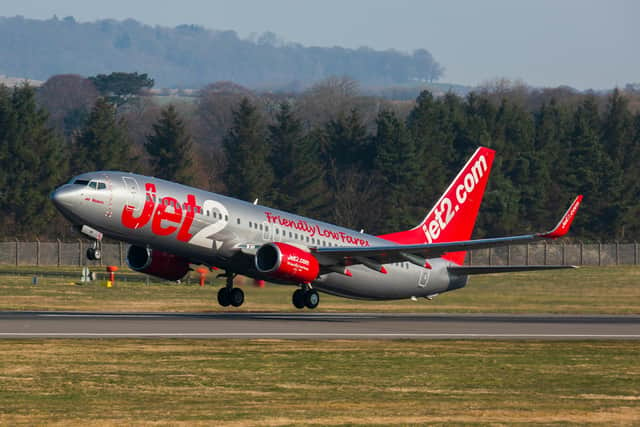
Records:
x=81, y=182
x=97, y=185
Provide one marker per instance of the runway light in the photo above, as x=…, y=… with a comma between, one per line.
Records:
x=111, y=269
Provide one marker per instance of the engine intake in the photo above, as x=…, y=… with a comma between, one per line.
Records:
x=157, y=263
x=287, y=262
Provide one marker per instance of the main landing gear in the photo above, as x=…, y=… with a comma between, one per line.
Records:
x=305, y=297
x=94, y=253
x=229, y=295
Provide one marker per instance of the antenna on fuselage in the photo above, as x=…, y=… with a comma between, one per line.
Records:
x=255, y=202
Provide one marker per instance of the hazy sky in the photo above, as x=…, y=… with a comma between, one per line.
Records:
x=581, y=43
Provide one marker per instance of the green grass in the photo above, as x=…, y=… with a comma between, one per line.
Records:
x=273, y=382
x=588, y=290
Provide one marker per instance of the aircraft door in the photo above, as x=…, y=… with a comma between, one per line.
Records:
x=133, y=195
x=108, y=206
x=267, y=232
x=424, y=277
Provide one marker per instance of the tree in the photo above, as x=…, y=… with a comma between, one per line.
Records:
x=347, y=142
x=170, y=148
x=618, y=140
x=396, y=165
x=592, y=174
x=32, y=161
x=103, y=143
x=68, y=98
x=299, y=179
x=120, y=87
x=249, y=174
x=431, y=127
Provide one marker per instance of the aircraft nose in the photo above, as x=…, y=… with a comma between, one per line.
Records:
x=63, y=197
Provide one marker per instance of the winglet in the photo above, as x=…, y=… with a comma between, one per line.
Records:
x=565, y=223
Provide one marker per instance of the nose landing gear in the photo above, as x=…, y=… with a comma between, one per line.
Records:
x=94, y=253
x=305, y=297
x=229, y=295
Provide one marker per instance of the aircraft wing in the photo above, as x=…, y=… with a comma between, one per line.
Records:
x=374, y=257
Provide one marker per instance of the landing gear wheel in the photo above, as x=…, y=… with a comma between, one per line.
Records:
x=236, y=296
x=311, y=299
x=94, y=253
x=298, y=299
x=224, y=298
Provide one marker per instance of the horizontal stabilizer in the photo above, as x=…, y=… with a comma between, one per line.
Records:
x=492, y=269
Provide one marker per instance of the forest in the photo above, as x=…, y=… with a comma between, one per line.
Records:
x=190, y=56
x=331, y=152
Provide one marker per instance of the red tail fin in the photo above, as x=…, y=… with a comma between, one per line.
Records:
x=453, y=217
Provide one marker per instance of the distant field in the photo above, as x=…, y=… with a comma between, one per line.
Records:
x=290, y=383
x=588, y=290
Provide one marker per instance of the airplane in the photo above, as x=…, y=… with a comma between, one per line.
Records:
x=170, y=226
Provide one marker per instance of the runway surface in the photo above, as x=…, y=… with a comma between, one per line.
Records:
x=309, y=325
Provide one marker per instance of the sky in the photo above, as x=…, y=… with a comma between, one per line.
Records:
x=579, y=43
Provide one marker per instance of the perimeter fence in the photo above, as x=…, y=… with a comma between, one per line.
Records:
x=58, y=253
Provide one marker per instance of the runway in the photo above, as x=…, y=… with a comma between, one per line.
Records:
x=308, y=325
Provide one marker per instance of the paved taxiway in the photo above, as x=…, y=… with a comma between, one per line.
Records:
x=315, y=326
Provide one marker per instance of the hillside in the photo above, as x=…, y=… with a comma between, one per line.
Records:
x=192, y=56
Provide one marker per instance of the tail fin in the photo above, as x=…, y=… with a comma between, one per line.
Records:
x=453, y=217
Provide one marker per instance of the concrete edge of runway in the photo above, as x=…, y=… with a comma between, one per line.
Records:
x=317, y=325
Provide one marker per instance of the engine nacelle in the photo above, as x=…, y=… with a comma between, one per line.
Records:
x=287, y=262
x=157, y=263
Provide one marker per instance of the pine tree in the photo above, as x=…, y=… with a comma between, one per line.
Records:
x=5, y=117
x=551, y=150
x=347, y=142
x=103, y=143
x=591, y=173
x=431, y=127
x=299, y=184
x=170, y=148
x=249, y=174
x=396, y=165
x=631, y=215
x=618, y=138
x=33, y=164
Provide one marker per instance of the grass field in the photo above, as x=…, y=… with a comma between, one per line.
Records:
x=588, y=290
x=282, y=383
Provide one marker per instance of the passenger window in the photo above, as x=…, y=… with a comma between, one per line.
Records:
x=226, y=217
x=238, y=220
x=250, y=224
x=260, y=227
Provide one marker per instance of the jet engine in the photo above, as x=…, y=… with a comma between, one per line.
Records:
x=287, y=262
x=157, y=263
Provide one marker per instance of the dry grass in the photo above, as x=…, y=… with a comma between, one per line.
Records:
x=282, y=383
x=590, y=290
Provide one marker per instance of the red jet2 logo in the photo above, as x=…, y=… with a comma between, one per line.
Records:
x=170, y=216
